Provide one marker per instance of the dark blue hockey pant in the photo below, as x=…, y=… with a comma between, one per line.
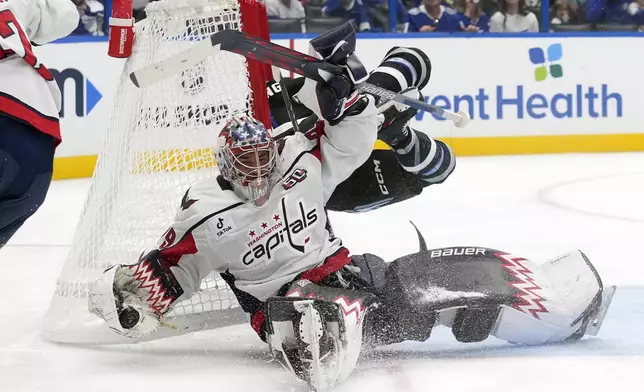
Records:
x=26, y=161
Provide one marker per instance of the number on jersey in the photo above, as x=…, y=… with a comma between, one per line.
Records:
x=15, y=41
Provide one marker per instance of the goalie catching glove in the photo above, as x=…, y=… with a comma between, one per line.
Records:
x=132, y=299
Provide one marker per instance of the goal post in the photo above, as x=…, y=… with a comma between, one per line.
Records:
x=160, y=141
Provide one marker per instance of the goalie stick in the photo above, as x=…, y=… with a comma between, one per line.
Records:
x=269, y=53
x=288, y=104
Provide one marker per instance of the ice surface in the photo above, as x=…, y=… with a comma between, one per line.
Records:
x=533, y=206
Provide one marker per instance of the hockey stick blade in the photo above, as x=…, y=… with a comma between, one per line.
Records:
x=164, y=69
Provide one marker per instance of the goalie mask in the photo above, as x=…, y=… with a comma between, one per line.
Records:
x=247, y=156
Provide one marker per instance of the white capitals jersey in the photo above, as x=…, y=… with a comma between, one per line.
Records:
x=266, y=247
x=28, y=91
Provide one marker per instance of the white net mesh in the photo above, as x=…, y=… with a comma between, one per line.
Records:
x=160, y=141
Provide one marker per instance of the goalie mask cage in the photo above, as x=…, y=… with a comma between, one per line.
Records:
x=159, y=142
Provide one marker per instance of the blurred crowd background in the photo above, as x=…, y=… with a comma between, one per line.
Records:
x=410, y=16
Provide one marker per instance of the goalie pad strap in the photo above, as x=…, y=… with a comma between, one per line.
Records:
x=333, y=263
x=256, y=308
x=257, y=322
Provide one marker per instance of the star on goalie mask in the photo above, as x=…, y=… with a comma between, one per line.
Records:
x=247, y=156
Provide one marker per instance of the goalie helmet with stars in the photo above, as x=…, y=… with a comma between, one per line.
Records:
x=247, y=158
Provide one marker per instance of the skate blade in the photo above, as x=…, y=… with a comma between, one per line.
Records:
x=596, y=323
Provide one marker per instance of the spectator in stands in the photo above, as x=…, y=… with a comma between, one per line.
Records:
x=563, y=13
x=474, y=19
x=432, y=16
x=609, y=11
x=514, y=18
x=402, y=20
x=350, y=9
x=636, y=9
x=284, y=9
x=92, y=17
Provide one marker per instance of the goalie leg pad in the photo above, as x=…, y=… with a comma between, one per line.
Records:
x=480, y=292
x=307, y=336
x=564, y=297
x=319, y=341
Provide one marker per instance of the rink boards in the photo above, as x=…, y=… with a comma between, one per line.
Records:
x=525, y=95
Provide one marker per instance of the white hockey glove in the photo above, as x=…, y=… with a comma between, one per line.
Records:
x=132, y=299
x=318, y=341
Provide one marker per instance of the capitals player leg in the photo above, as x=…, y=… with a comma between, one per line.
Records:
x=26, y=164
x=481, y=292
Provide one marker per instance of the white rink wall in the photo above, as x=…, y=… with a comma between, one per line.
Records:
x=525, y=95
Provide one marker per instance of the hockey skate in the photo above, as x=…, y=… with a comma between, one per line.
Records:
x=394, y=117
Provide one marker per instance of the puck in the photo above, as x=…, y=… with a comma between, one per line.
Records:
x=128, y=318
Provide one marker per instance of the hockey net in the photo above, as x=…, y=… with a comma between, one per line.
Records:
x=159, y=142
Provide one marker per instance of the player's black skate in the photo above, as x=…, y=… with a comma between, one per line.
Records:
x=416, y=152
x=393, y=119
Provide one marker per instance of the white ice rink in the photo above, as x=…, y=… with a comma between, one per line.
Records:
x=533, y=206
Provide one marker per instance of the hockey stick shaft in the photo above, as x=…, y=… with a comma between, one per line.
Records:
x=414, y=103
x=288, y=103
x=269, y=53
x=242, y=44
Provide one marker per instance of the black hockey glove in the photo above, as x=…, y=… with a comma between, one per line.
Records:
x=331, y=99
